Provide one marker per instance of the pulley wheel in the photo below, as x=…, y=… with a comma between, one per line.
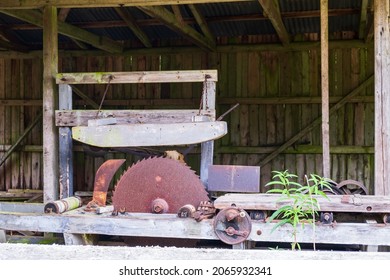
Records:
x=232, y=225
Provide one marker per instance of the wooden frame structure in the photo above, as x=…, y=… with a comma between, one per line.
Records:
x=68, y=118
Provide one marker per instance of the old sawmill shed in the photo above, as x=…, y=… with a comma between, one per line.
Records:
x=268, y=57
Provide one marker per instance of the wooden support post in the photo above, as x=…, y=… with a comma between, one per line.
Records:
x=325, y=88
x=382, y=98
x=3, y=236
x=65, y=145
x=207, y=151
x=50, y=139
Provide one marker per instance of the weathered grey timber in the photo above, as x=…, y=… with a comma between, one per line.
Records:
x=169, y=225
x=335, y=203
x=138, y=135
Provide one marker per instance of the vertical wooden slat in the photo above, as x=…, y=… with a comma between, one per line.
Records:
x=382, y=98
x=36, y=158
x=50, y=141
x=325, y=88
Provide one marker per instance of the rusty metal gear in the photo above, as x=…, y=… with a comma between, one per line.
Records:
x=157, y=185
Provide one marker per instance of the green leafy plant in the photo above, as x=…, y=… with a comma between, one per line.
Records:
x=301, y=204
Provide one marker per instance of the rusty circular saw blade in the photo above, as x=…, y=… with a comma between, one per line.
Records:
x=154, y=178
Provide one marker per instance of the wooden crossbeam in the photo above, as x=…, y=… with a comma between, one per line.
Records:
x=35, y=17
x=62, y=15
x=35, y=4
x=273, y=13
x=132, y=24
x=173, y=23
x=189, y=76
x=169, y=225
x=200, y=19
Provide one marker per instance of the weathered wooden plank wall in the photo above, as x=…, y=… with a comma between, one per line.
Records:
x=266, y=84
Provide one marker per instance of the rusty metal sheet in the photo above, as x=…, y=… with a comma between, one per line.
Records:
x=234, y=178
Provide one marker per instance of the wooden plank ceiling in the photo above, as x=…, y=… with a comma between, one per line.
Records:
x=195, y=28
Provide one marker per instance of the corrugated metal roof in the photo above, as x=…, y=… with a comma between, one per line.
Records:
x=225, y=20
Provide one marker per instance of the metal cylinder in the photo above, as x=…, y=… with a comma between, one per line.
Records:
x=63, y=205
x=159, y=206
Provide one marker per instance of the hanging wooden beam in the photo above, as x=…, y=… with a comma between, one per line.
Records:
x=316, y=122
x=50, y=103
x=382, y=98
x=187, y=31
x=273, y=13
x=201, y=22
x=132, y=24
x=363, y=19
x=35, y=17
x=325, y=88
x=35, y=4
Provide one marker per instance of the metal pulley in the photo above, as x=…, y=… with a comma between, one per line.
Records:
x=232, y=225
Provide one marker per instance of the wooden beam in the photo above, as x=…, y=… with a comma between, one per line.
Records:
x=21, y=207
x=331, y=203
x=36, y=4
x=81, y=117
x=297, y=149
x=20, y=139
x=62, y=15
x=325, y=88
x=35, y=17
x=316, y=122
x=382, y=98
x=132, y=24
x=299, y=46
x=200, y=19
x=363, y=19
x=273, y=13
x=370, y=28
x=50, y=103
x=170, y=226
x=137, y=77
x=187, y=31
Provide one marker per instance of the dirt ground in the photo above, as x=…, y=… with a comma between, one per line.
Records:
x=67, y=252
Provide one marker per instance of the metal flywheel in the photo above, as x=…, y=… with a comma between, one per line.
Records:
x=158, y=185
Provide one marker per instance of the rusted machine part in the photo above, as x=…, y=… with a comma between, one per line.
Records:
x=359, y=187
x=102, y=182
x=326, y=218
x=154, y=178
x=206, y=210
x=186, y=211
x=232, y=225
x=159, y=206
x=63, y=205
x=258, y=215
